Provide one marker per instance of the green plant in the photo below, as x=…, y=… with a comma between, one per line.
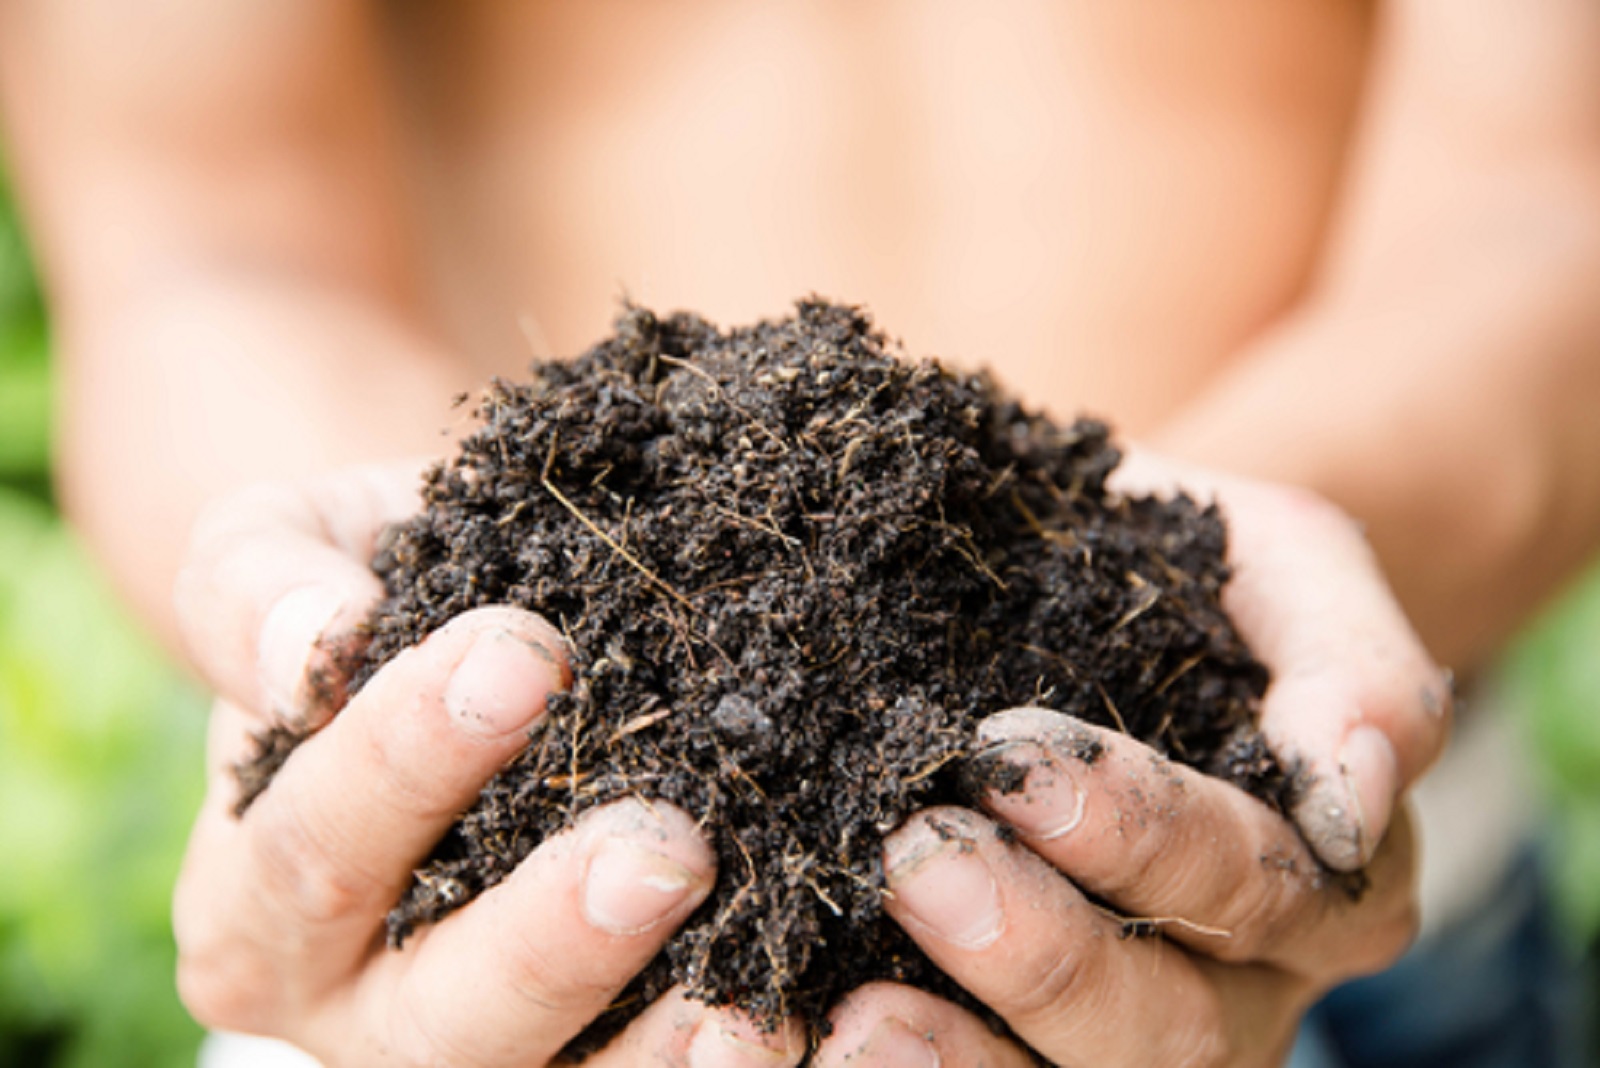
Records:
x=100, y=757
x=24, y=363
x=100, y=760
x=1557, y=670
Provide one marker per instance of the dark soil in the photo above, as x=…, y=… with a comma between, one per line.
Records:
x=795, y=571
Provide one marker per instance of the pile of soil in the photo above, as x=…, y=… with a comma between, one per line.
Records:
x=795, y=571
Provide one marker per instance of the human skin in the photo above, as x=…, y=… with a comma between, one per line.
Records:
x=1350, y=249
x=280, y=914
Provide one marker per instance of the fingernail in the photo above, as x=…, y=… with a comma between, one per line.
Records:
x=1370, y=772
x=895, y=1044
x=715, y=1047
x=944, y=886
x=1048, y=802
x=289, y=634
x=630, y=888
x=500, y=685
x=1325, y=816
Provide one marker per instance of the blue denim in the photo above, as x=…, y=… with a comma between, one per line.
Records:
x=1498, y=990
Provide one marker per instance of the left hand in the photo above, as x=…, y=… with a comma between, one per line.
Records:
x=1253, y=930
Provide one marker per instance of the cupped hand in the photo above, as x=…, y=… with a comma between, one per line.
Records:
x=1039, y=905
x=279, y=913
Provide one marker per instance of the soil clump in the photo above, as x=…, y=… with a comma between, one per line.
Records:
x=795, y=571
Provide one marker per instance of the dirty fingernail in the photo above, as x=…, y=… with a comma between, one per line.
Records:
x=713, y=1046
x=289, y=635
x=630, y=888
x=1325, y=820
x=1034, y=790
x=500, y=685
x=1371, y=777
x=896, y=1044
x=943, y=887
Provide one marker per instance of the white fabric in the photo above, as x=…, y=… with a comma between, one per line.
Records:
x=222, y=1050
x=1475, y=810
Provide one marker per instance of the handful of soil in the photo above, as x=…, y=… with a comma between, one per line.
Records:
x=795, y=572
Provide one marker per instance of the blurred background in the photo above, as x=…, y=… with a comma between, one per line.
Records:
x=100, y=759
x=100, y=756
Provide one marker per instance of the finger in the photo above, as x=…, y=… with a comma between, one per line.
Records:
x=304, y=879
x=1354, y=694
x=225, y=981
x=1001, y=922
x=1355, y=697
x=676, y=1032
x=361, y=803
x=514, y=976
x=1183, y=853
x=885, y=1025
x=275, y=583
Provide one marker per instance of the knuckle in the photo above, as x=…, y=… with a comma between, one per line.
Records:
x=533, y=978
x=1142, y=867
x=1046, y=982
x=404, y=758
x=1402, y=685
x=1265, y=912
x=1379, y=701
x=298, y=869
x=1406, y=698
x=1255, y=917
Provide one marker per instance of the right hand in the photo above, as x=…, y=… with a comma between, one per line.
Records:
x=279, y=914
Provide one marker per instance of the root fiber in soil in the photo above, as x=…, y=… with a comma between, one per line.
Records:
x=795, y=570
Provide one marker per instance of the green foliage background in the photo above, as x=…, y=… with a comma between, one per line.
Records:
x=100, y=760
x=1556, y=669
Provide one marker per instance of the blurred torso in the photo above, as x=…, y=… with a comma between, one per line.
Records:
x=1103, y=202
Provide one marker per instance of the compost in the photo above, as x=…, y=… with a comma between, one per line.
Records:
x=795, y=570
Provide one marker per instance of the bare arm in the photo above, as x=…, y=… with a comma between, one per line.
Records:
x=1442, y=382
x=213, y=193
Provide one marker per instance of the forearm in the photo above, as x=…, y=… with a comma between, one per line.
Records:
x=210, y=381
x=215, y=196
x=1451, y=410
x=1442, y=379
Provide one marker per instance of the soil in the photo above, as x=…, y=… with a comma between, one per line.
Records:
x=795, y=570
